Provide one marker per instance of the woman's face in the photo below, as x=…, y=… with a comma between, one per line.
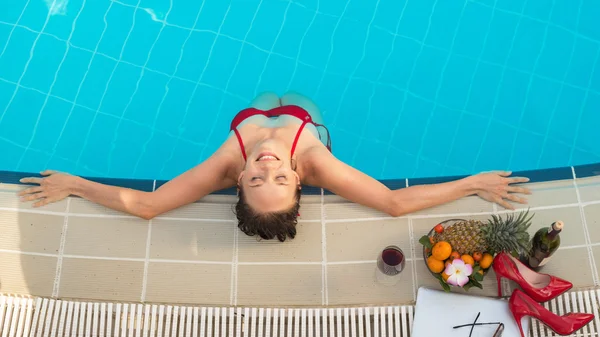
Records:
x=268, y=180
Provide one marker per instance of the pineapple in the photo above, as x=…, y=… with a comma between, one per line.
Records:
x=469, y=236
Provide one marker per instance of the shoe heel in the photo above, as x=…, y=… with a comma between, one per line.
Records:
x=518, y=320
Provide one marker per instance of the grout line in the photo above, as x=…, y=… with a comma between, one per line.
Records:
x=146, y=262
x=61, y=251
x=131, y=259
x=234, y=268
x=324, y=288
x=114, y=216
x=589, y=203
x=382, y=218
x=578, y=246
x=336, y=263
x=187, y=261
x=147, y=256
x=364, y=261
x=504, y=283
x=446, y=215
x=413, y=255
x=586, y=231
x=279, y=263
x=18, y=252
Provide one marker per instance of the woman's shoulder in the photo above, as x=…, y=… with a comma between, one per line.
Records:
x=312, y=160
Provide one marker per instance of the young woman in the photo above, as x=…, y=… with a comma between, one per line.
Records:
x=274, y=147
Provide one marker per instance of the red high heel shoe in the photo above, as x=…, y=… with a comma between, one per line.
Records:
x=521, y=305
x=540, y=287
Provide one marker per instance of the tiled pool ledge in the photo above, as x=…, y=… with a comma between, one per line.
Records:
x=195, y=255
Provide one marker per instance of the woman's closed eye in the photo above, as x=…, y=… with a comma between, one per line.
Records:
x=279, y=179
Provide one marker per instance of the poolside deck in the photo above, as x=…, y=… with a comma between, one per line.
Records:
x=196, y=255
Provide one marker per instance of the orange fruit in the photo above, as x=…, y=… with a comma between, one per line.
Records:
x=468, y=259
x=455, y=255
x=445, y=277
x=486, y=261
x=435, y=265
x=441, y=250
x=477, y=256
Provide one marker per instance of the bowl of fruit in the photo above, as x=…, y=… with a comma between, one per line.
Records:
x=460, y=252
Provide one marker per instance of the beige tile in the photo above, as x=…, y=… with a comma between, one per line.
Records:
x=424, y=225
x=109, y=280
x=596, y=252
x=219, y=199
x=571, y=264
x=346, y=210
x=27, y=274
x=309, y=211
x=107, y=237
x=190, y=283
x=30, y=232
x=472, y=204
x=197, y=210
x=357, y=284
x=305, y=247
x=279, y=285
x=589, y=188
x=426, y=279
x=82, y=206
x=572, y=234
x=11, y=187
x=311, y=199
x=592, y=218
x=558, y=192
x=10, y=199
x=192, y=240
x=204, y=210
x=355, y=241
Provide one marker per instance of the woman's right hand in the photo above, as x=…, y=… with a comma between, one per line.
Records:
x=53, y=187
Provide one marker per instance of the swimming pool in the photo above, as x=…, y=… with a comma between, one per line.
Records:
x=146, y=89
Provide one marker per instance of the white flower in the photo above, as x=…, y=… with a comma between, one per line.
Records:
x=458, y=272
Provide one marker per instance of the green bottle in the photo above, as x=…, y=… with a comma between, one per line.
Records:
x=544, y=243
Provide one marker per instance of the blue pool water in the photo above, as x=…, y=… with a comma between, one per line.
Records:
x=147, y=88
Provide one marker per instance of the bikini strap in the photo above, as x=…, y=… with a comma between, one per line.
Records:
x=239, y=138
x=298, y=136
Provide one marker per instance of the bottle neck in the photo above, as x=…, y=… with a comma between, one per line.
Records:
x=555, y=229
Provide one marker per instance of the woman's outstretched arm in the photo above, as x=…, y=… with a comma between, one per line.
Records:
x=328, y=172
x=190, y=186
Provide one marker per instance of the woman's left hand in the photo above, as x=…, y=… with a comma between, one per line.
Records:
x=53, y=187
x=496, y=187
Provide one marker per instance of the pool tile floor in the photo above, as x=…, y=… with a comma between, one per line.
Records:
x=196, y=255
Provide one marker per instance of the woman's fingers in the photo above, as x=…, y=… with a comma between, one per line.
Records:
x=34, y=196
x=48, y=172
x=505, y=204
x=42, y=202
x=515, y=198
x=30, y=190
x=516, y=189
x=31, y=180
x=516, y=180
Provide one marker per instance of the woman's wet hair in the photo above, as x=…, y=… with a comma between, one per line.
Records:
x=267, y=226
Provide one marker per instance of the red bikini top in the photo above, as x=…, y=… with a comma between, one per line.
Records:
x=291, y=110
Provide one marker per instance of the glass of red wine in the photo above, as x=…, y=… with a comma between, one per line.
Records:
x=391, y=261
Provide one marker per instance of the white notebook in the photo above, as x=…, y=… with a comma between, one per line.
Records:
x=437, y=312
